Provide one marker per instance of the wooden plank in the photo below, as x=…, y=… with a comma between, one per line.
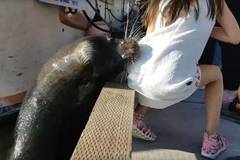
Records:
x=163, y=154
x=108, y=133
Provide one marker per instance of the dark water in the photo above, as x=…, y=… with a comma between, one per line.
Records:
x=6, y=134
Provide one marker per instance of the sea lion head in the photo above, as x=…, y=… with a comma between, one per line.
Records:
x=129, y=49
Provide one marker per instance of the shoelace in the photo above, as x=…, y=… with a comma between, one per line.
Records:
x=139, y=123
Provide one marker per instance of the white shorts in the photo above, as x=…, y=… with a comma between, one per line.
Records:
x=164, y=103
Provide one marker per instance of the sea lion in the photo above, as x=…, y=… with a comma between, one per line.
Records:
x=55, y=112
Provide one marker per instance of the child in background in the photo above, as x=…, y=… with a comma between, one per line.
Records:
x=167, y=70
x=235, y=104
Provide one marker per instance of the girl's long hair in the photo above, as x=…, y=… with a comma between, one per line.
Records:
x=174, y=7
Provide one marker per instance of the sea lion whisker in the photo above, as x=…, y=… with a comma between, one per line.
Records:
x=136, y=31
x=134, y=23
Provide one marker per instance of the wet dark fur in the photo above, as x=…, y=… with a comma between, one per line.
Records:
x=55, y=112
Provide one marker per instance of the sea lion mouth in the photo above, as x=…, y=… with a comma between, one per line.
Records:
x=122, y=53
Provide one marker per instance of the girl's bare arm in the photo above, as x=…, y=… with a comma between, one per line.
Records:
x=229, y=30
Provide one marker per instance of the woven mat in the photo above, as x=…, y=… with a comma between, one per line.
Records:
x=108, y=133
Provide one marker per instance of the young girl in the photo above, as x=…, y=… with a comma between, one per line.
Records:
x=167, y=71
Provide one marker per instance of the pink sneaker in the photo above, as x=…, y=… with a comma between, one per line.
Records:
x=140, y=130
x=213, y=145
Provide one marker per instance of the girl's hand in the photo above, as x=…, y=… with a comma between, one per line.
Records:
x=75, y=20
x=229, y=31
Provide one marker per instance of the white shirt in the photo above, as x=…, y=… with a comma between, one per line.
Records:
x=169, y=57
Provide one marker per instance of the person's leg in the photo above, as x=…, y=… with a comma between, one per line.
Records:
x=211, y=77
x=140, y=129
x=234, y=106
x=141, y=109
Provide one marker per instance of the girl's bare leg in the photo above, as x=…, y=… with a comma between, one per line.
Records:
x=141, y=109
x=211, y=77
x=140, y=130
